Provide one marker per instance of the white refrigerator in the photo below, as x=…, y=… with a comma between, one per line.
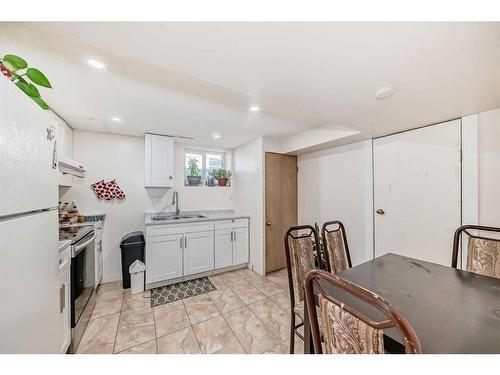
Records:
x=29, y=273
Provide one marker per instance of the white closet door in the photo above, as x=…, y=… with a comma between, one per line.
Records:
x=417, y=196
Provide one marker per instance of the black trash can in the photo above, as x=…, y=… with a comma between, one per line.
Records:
x=132, y=246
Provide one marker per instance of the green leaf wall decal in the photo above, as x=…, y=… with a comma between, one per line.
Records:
x=34, y=90
x=41, y=103
x=38, y=77
x=13, y=62
x=28, y=88
x=10, y=66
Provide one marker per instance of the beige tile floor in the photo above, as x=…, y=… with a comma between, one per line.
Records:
x=246, y=314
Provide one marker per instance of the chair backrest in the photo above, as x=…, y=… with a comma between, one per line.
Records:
x=335, y=243
x=300, y=242
x=346, y=330
x=483, y=253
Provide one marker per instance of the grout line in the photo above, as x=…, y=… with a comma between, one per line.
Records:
x=191, y=326
x=234, y=334
x=154, y=324
x=119, y=320
x=105, y=315
x=174, y=331
x=147, y=342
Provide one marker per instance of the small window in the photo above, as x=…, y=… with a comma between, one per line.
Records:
x=200, y=163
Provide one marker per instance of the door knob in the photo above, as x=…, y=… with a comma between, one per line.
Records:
x=268, y=223
x=380, y=211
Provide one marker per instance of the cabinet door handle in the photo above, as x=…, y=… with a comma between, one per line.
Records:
x=185, y=242
x=234, y=236
x=182, y=243
x=231, y=236
x=62, y=298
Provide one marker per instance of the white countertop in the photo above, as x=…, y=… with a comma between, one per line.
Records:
x=211, y=215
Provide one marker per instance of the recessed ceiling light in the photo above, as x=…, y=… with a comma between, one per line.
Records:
x=116, y=119
x=96, y=64
x=216, y=135
x=254, y=108
x=384, y=92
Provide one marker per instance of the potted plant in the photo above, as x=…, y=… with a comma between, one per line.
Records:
x=221, y=175
x=194, y=177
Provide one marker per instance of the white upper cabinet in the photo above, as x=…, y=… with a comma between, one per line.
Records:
x=159, y=159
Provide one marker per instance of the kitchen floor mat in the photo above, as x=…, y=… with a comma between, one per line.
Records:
x=181, y=290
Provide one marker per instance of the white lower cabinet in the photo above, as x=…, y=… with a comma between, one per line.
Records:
x=164, y=258
x=64, y=299
x=198, y=252
x=175, y=251
x=223, y=248
x=240, y=246
x=98, y=253
x=231, y=247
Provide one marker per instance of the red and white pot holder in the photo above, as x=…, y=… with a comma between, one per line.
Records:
x=107, y=190
x=115, y=190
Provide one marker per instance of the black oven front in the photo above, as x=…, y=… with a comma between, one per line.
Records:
x=83, y=284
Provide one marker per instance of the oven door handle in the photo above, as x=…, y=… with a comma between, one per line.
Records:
x=83, y=245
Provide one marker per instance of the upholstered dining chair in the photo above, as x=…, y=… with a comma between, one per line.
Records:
x=346, y=330
x=483, y=253
x=335, y=243
x=300, y=242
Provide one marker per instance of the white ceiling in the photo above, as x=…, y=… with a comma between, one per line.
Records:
x=196, y=79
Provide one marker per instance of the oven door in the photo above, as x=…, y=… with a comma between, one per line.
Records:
x=82, y=275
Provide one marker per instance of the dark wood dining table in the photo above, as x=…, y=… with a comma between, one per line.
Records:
x=452, y=311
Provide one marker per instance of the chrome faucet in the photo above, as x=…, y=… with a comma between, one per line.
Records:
x=175, y=200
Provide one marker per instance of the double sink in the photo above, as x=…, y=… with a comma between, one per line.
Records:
x=176, y=217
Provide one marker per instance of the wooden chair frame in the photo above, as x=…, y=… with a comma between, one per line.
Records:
x=324, y=231
x=464, y=229
x=289, y=234
x=395, y=318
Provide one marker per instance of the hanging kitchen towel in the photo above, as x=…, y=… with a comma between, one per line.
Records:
x=115, y=190
x=99, y=188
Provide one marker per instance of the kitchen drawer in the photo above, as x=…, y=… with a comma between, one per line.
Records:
x=162, y=230
x=230, y=224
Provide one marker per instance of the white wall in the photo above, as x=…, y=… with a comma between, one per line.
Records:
x=108, y=156
x=336, y=184
x=489, y=167
x=248, y=185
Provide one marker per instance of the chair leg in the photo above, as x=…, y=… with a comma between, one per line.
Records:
x=292, y=333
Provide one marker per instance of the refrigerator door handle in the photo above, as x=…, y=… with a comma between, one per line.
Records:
x=62, y=298
x=54, y=156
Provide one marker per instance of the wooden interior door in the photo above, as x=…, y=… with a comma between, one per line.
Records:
x=281, y=205
x=417, y=192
